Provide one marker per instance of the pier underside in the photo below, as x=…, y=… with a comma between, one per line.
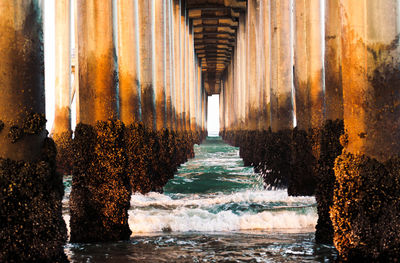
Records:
x=309, y=92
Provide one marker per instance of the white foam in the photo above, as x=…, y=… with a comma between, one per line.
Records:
x=185, y=219
x=67, y=218
x=156, y=212
x=248, y=196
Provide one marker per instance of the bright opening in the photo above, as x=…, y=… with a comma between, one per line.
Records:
x=213, y=116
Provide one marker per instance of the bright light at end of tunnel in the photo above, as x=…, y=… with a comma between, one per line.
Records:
x=213, y=116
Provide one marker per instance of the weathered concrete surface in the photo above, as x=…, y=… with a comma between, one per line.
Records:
x=301, y=76
x=253, y=86
x=22, y=78
x=76, y=63
x=97, y=92
x=333, y=128
x=170, y=69
x=333, y=69
x=365, y=212
x=308, y=90
x=308, y=59
x=281, y=61
x=62, y=119
x=100, y=191
x=61, y=132
x=31, y=224
x=147, y=57
x=266, y=87
x=192, y=70
x=128, y=60
x=187, y=70
x=159, y=64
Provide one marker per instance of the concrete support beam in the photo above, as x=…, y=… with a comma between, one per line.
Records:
x=222, y=106
x=301, y=76
x=147, y=57
x=204, y=111
x=187, y=70
x=308, y=64
x=62, y=118
x=183, y=68
x=177, y=63
x=169, y=66
x=254, y=52
x=160, y=66
x=242, y=71
x=128, y=60
x=333, y=60
x=76, y=63
x=365, y=211
x=265, y=24
x=97, y=92
x=281, y=61
x=192, y=84
x=232, y=86
x=370, y=62
x=32, y=228
x=22, y=77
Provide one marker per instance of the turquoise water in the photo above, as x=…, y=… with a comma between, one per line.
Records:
x=214, y=210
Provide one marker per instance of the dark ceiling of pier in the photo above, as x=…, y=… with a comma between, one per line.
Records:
x=215, y=24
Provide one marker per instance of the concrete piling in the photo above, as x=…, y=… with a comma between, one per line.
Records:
x=31, y=224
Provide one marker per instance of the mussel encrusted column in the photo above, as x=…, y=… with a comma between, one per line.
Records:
x=101, y=191
x=332, y=129
x=31, y=224
x=308, y=84
x=366, y=199
x=135, y=134
x=277, y=153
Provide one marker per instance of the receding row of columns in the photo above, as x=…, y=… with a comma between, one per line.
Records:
x=287, y=65
x=279, y=46
x=308, y=69
x=152, y=61
x=262, y=70
x=135, y=62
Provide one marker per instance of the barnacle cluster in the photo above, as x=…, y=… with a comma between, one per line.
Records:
x=111, y=161
x=365, y=212
x=31, y=225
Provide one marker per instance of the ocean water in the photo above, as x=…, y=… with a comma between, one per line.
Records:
x=214, y=210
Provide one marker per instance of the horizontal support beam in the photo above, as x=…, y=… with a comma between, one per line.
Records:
x=234, y=4
x=213, y=13
x=216, y=29
x=220, y=34
x=215, y=22
x=213, y=50
x=224, y=41
x=202, y=55
x=213, y=45
x=213, y=26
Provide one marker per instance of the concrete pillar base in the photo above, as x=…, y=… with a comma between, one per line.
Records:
x=366, y=208
x=65, y=154
x=100, y=195
x=31, y=225
x=302, y=181
x=139, y=153
x=153, y=157
x=276, y=161
x=268, y=152
x=325, y=176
